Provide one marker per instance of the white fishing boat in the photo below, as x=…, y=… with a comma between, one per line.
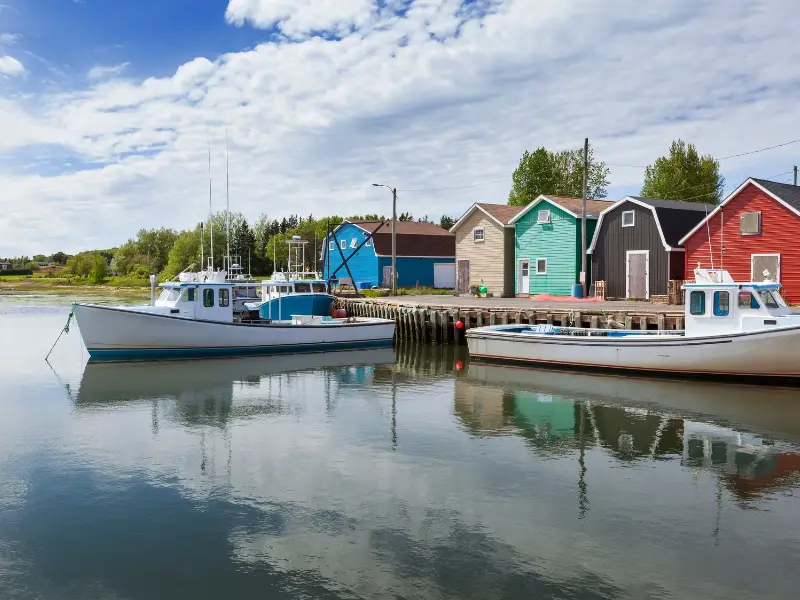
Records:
x=195, y=317
x=731, y=330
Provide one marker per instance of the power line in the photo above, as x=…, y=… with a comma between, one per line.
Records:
x=459, y=187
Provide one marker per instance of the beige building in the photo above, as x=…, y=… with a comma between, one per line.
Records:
x=485, y=249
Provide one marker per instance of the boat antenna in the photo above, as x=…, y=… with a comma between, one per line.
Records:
x=210, y=209
x=710, y=251
x=227, y=206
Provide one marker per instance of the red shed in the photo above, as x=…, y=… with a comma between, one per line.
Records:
x=753, y=234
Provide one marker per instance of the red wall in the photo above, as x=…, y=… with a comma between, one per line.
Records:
x=780, y=234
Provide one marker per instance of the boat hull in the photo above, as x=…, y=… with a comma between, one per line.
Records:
x=771, y=354
x=120, y=333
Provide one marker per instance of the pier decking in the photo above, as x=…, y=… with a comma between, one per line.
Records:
x=435, y=318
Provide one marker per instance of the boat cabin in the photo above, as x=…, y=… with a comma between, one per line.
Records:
x=717, y=305
x=201, y=301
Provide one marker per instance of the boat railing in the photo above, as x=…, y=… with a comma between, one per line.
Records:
x=585, y=331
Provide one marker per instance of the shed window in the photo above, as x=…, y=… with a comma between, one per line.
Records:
x=543, y=216
x=208, y=298
x=628, y=218
x=190, y=295
x=697, y=303
x=722, y=304
x=343, y=244
x=224, y=297
x=354, y=243
x=368, y=242
x=478, y=234
x=541, y=266
x=750, y=223
x=331, y=246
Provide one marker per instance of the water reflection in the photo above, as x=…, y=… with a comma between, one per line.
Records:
x=405, y=473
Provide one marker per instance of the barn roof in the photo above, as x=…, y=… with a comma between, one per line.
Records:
x=502, y=214
x=574, y=206
x=413, y=238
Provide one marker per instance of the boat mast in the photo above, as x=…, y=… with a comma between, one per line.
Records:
x=210, y=209
x=227, y=206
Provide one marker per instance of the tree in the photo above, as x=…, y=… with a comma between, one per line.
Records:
x=99, y=270
x=32, y=265
x=184, y=252
x=557, y=173
x=405, y=217
x=446, y=222
x=60, y=258
x=684, y=175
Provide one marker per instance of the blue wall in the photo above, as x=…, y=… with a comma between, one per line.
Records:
x=363, y=266
x=413, y=270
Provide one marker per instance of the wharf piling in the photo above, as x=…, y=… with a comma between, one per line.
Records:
x=440, y=324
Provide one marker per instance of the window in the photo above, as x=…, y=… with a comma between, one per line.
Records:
x=190, y=295
x=628, y=218
x=541, y=266
x=748, y=300
x=524, y=267
x=543, y=216
x=750, y=223
x=697, y=303
x=722, y=304
x=224, y=297
x=477, y=234
x=319, y=288
x=331, y=246
x=281, y=289
x=208, y=298
x=368, y=242
x=343, y=244
x=768, y=299
x=302, y=288
x=354, y=243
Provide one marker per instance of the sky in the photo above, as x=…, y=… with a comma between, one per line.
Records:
x=108, y=109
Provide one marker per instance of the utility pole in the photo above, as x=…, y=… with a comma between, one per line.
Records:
x=795, y=175
x=583, y=213
x=394, y=239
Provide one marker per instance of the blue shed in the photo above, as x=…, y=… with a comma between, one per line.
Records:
x=426, y=254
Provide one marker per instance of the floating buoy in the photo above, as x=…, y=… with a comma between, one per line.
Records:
x=341, y=313
x=459, y=365
x=459, y=324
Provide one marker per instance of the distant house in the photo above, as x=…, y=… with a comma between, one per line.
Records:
x=425, y=254
x=6, y=266
x=636, y=246
x=753, y=235
x=547, y=244
x=485, y=248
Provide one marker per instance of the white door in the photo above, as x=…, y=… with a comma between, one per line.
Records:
x=524, y=277
x=444, y=275
x=637, y=269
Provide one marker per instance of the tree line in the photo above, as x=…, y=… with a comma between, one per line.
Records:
x=682, y=174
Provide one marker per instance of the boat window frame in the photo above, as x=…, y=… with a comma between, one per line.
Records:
x=753, y=304
x=717, y=306
x=224, y=297
x=190, y=294
x=702, y=294
x=766, y=302
x=323, y=289
x=208, y=298
x=302, y=284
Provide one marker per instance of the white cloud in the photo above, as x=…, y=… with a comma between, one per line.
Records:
x=426, y=101
x=8, y=39
x=11, y=67
x=100, y=72
x=295, y=17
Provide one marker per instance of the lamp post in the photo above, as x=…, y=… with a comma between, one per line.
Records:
x=394, y=235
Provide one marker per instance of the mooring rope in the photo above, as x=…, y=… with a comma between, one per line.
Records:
x=63, y=331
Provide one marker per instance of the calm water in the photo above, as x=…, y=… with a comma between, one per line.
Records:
x=382, y=474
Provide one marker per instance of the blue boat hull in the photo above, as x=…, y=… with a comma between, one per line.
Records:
x=317, y=305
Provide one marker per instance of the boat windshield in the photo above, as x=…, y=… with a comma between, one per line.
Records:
x=319, y=288
x=302, y=288
x=769, y=299
x=169, y=295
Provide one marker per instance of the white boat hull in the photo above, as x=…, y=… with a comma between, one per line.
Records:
x=771, y=353
x=120, y=333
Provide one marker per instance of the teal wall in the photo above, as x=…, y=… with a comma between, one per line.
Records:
x=558, y=241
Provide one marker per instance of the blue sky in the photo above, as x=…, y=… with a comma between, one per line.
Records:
x=107, y=107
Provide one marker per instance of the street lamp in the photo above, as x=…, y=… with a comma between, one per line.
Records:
x=394, y=235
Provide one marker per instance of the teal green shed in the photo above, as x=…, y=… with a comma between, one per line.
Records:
x=547, y=244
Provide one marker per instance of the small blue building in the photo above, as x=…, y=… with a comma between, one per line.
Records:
x=426, y=254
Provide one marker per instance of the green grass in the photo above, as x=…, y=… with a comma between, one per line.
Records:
x=420, y=291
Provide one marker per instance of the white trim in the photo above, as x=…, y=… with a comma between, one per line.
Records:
x=471, y=210
x=750, y=212
x=343, y=244
x=646, y=273
x=652, y=209
x=483, y=235
x=331, y=246
x=541, y=198
x=549, y=219
x=410, y=256
x=752, y=256
x=633, y=221
x=536, y=262
x=730, y=197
